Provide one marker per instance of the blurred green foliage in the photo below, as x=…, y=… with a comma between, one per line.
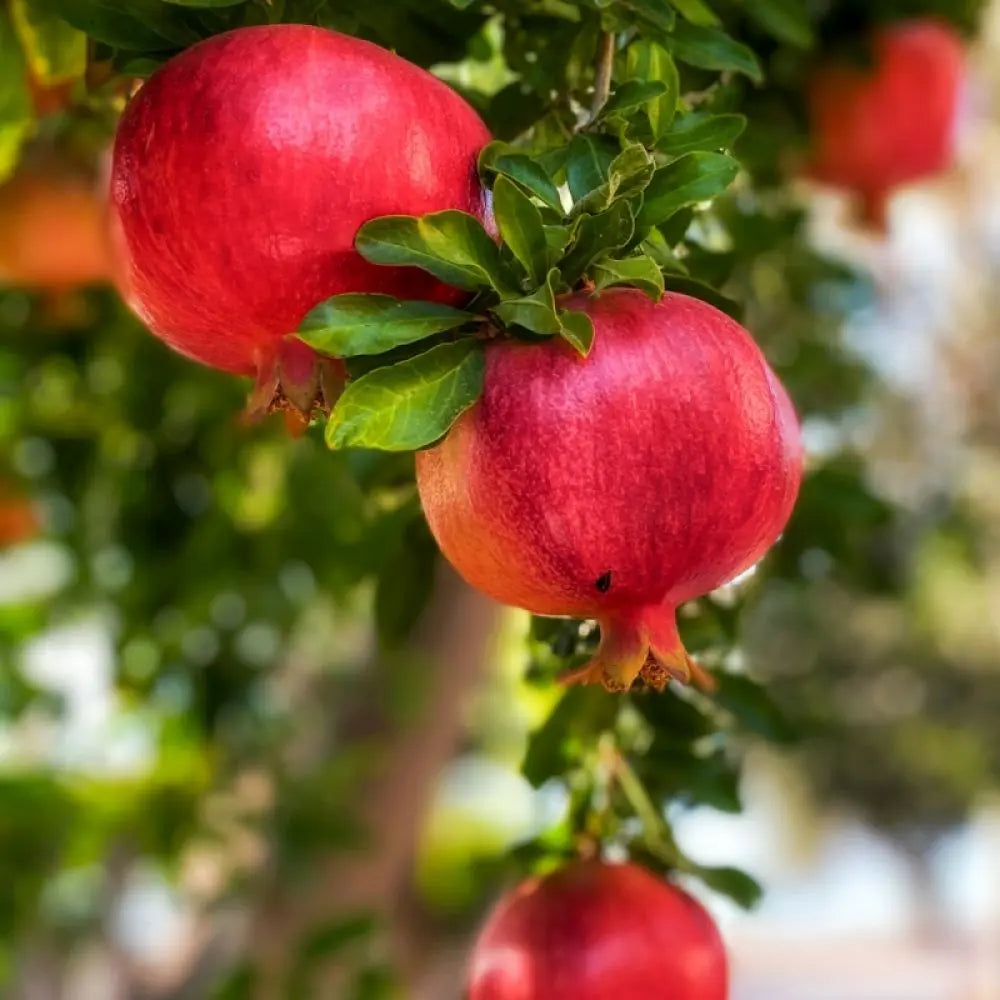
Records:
x=250, y=583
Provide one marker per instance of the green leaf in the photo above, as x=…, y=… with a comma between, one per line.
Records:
x=569, y=730
x=577, y=330
x=657, y=15
x=753, y=708
x=535, y=312
x=588, y=161
x=662, y=253
x=731, y=882
x=709, y=48
x=409, y=405
x=633, y=94
x=629, y=173
x=520, y=225
x=451, y=245
x=693, y=178
x=519, y=167
x=56, y=52
x=696, y=12
x=349, y=325
x=698, y=130
x=133, y=25
x=699, y=290
x=640, y=272
x=595, y=236
x=645, y=60
x=787, y=20
x=16, y=116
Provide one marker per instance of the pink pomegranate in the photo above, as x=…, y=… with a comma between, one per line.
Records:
x=878, y=127
x=618, y=486
x=244, y=167
x=598, y=932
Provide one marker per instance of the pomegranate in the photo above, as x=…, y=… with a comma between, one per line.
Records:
x=595, y=931
x=245, y=166
x=617, y=486
x=880, y=126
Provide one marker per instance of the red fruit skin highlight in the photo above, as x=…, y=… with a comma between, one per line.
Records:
x=618, y=486
x=245, y=166
x=594, y=931
x=878, y=127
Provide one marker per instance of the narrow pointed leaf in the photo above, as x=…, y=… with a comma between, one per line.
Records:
x=530, y=174
x=588, y=161
x=346, y=326
x=520, y=225
x=16, y=117
x=633, y=94
x=451, y=245
x=693, y=178
x=596, y=236
x=409, y=405
x=696, y=12
x=536, y=312
x=577, y=330
x=645, y=60
x=640, y=272
x=709, y=48
x=696, y=131
x=787, y=20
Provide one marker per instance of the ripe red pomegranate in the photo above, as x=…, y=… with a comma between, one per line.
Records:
x=880, y=126
x=618, y=486
x=594, y=931
x=244, y=167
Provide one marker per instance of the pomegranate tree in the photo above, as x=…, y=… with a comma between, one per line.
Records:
x=618, y=485
x=594, y=931
x=878, y=126
x=243, y=169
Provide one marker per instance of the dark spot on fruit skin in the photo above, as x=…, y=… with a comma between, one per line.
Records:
x=603, y=582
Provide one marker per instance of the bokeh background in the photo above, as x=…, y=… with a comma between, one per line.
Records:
x=248, y=721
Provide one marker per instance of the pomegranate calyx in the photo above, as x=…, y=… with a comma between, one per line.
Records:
x=297, y=382
x=641, y=645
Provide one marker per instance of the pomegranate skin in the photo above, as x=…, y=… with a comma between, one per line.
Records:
x=618, y=486
x=879, y=127
x=594, y=931
x=244, y=167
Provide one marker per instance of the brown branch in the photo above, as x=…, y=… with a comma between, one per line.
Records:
x=602, y=73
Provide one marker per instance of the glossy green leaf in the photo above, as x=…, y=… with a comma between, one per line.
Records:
x=587, y=164
x=787, y=20
x=696, y=131
x=640, y=272
x=349, y=325
x=633, y=94
x=535, y=312
x=655, y=15
x=577, y=330
x=16, y=116
x=56, y=52
x=709, y=48
x=662, y=253
x=451, y=245
x=596, y=236
x=520, y=225
x=529, y=173
x=645, y=60
x=132, y=25
x=629, y=173
x=409, y=405
x=693, y=178
x=731, y=882
x=697, y=12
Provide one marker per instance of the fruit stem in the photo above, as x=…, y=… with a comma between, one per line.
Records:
x=602, y=73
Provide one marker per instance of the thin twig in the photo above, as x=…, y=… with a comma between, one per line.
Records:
x=602, y=73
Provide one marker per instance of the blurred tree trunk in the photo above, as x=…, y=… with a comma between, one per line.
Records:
x=455, y=643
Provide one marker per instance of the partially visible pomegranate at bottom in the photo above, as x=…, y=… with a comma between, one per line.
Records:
x=594, y=931
x=619, y=485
